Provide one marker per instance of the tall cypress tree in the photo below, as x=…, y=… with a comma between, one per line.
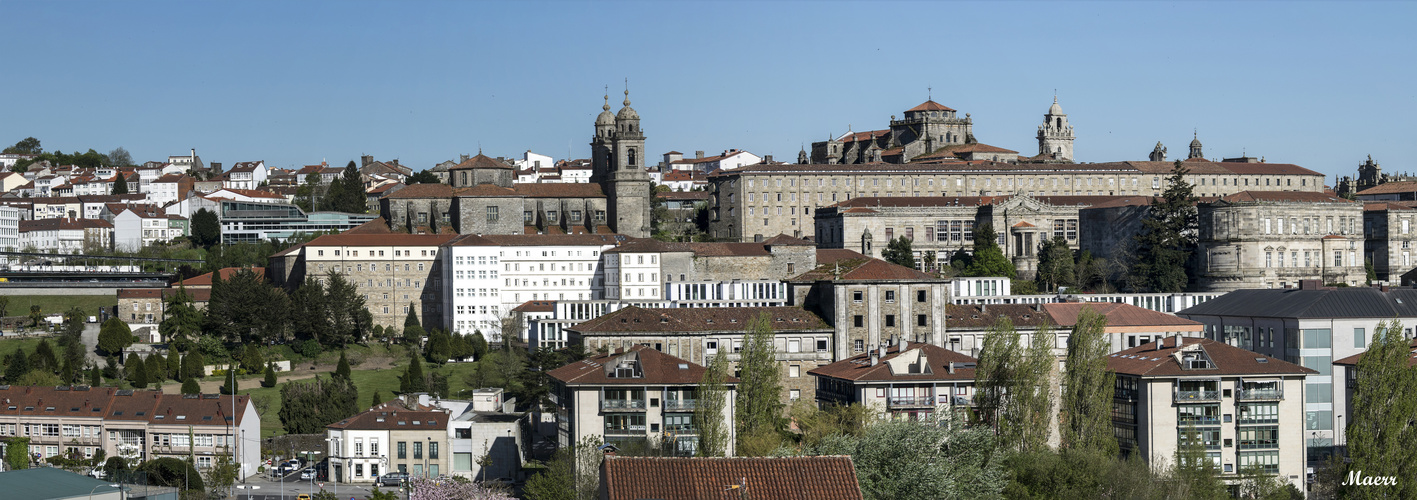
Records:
x=760, y=390
x=1034, y=391
x=413, y=379
x=342, y=369
x=1166, y=242
x=708, y=412
x=999, y=357
x=120, y=184
x=1087, y=402
x=1381, y=433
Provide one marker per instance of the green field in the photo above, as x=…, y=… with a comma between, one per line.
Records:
x=57, y=304
x=8, y=346
x=385, y=381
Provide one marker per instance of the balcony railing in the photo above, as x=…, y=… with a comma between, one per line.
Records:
x=912, y=401
x=681, y=430
x=1182, y=396
x=622, y=404
x=681, y=404
x=1258, y=445
x=1199, y=420
x=1259, y=394
x=631, y=429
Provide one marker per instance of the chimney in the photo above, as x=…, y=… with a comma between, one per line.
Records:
x=365, y=160
x=875, y=358
x=1178, y=339
x=767, y=158
x=1382, y=288
x=698, y=154
x=1160, y=343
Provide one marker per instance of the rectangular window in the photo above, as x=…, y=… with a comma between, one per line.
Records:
x=890, y=321
x=433, y=450
x=491, y=214
x=920, y=296
x=1259, y=461
x=920, y=320
x=858, y=345
x=856, y=296
x=403, y=449
x=1360, y=338
x=890, y=295
x=1258, y=438
x=417, y=449
x=858, y=321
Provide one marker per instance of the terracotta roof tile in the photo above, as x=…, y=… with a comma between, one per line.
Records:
x=1283, y=196
x=536, y=306
x=480, y=161
x=930, y=105
x=560, y=190
x=205, y=280
x=862, y=269
x=380, y=419
x=1391, y=188
x=655, y=368
x=767, y=478
x=1149, y=361
x=939, y=359
x=436, y=190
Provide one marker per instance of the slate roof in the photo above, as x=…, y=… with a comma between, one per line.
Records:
x=708, y=319
x=766, y=478
x=1342, y=302
x=1148, y=361
x=863, y=269
x=63, y=223
x=560, y=190
x=46, y=483
x=858, y=368
x=114, y=404
x=655, y=367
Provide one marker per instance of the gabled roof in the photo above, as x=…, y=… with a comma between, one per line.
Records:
x=708, y=319
x=1391, y=188
x=1340, y=302
x=380, y=419
x=480, y=161
x=205, y=280
x=942, y=365
x=47, y=483
x=766, y=478
x=654, y=367
x=1147, y=360
x=1283, y=197
x=863, y=269
x=536, y=306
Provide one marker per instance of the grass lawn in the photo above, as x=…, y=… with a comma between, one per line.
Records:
x=386, y=382
x=52, y=304
x=8, y=346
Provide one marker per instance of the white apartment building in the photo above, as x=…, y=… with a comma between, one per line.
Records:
x=139, y=226
x=65, y=235
x=633, y=276
x=487, y=276
x=246, y=175
x=1246, y=410
x=9, y=228
x=167, y=189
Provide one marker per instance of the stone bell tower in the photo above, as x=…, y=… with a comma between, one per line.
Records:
x=617, y=164
x=1055, y=135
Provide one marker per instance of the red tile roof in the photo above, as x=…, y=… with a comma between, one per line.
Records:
x=380, y=419
x=767, y=478
x=63, y=223
x=939, y=360
x=205, y=280
x=830, y=255
x=560, y=190
x=480, y=161
x=1149, y=361
x=1391, y=188
x=862, y=136
x=435, y=190
x=930, y=105
x=536, y=306
x=708, y=319
x=1283, y=196
x=111, y=404
x=655, y=368
x=861, y=269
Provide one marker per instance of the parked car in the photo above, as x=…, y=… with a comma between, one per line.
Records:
x=392, y=479
x=307, y=474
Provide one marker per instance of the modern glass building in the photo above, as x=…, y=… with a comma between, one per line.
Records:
x=244, y=221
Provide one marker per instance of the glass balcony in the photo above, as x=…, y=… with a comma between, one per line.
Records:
x=1259, y=394
x=622, y=404
x=1185, y=396
x=910, y=401
x=681, y=404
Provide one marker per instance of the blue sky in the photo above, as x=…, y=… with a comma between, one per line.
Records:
x=1317, y=84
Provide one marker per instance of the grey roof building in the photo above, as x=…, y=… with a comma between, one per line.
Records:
x=1310, y=326
x=49, y=483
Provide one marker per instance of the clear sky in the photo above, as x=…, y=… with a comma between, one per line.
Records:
x=1317, y=84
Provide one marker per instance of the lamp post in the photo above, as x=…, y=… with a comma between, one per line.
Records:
x=334, y=455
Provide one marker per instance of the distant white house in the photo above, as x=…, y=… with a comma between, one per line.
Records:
x=246, y=175
x=138, y=226
x=732, y=158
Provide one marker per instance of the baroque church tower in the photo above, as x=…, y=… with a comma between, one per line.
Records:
x=617, y=164
x=1055, y=135
x=1196, y=151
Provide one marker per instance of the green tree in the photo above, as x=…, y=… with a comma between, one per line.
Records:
x=1087, y=400
x=708, y=411
x=374, y=399
x=412, y=318
x=1167, y=238
x=95, y=377
x=172, y=472
x=174, y=366
x=479, y=345
x=898, y=252
x=251, y=358
x=439, y=347
x=4, y=305
x=26, y=146
x=1381, y=432
x=270, y=380
x=17, y=365
x=424, y=177
x=119, y=157
x=206, y=229
x=36, y=315
x=44, y=358
x=110, y=367
x=1055, y=265
x=307, y=407
x=156, y=368
x=17, y=453
x=139, y=374
x=246, y=309
x=193, y=366
x=935, y=459
x=342, y=369
x=572, y=474
x=182, y=321
x=190, y=386
x=988, y=258
x=999, y=357
x=413, y=379
x=759, y=404
x=114, y=336
x=229, y=384
x=1033, y=392
x=120, y=184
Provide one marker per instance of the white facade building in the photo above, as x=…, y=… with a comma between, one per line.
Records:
x=246, y=175
x=9, y=228
x=65, y=235
x=139, y=226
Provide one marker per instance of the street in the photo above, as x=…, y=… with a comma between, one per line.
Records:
x=266, y=489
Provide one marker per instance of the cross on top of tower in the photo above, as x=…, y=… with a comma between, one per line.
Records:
x=627, y=91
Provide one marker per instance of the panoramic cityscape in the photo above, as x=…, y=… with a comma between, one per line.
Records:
x=618, y=250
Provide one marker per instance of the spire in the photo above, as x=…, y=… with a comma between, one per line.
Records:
x=606, y=107
x=627, y=91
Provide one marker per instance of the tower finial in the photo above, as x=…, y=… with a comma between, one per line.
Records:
x=929, y=93
x=607, y=99
x=627, y=91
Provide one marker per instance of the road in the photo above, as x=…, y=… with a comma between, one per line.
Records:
x=292, y=485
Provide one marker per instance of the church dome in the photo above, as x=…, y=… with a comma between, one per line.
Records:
x=1055, y=109
x=1195, y=142
x=606, y=117
x=627, y=112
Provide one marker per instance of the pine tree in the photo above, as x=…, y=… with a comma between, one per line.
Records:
x=174, y=366
x=95, y=377
x=412, y=318
x=988, y=258
x=155, y=368
x=708, y=412
x=898, y=252
x=230, y=385
x=439, y=348
x=1167, y=239
x=139, y=374
x=43, y=357
x=1087, y=402
x=759, y=402
x=120, y=184
x=1381, y=433
x=374, y=399
x=190, y=386
x=342, y=369
x=479, y=345
x=19, y=365
x=270, y=380
x=1055, y=265
x=252, y=359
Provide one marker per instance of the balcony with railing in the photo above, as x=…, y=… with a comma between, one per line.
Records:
x=910, y=402
x=1260, y=394
x=1196, y=395
x=1125, y=394
x=681, y=430
x=632, y=429
x=681, y=404
x=622, y=404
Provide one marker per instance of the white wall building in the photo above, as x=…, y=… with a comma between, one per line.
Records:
x=142, y=225
x=65, y=235
x=246, y=175
x=9, y=228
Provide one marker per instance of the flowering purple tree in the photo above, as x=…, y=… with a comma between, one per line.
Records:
x=421, y=488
